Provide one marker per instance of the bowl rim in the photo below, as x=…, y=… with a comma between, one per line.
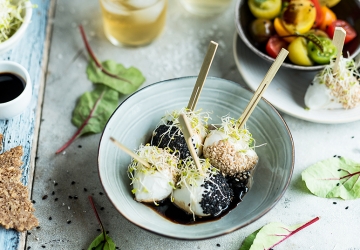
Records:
x=235, y=228
x=241, y=33
x=15, y=37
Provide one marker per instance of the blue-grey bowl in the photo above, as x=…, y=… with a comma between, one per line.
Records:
x=135, y=119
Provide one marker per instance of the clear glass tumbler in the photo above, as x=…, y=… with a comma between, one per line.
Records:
x=205, y=7
x=133, y=22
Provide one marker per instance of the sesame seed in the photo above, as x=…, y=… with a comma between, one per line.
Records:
x=44, y=197
x=73, y=182
x=68, y=221
x=334, y=202
x=50, y=218
x=85, y=189
x=347, y=207
x=56, y=199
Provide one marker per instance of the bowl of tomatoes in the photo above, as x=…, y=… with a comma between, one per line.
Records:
x=304, y=27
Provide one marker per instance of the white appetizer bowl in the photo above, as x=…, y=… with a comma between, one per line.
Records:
x=12, y=41
x=16, y=106
x=133, y=122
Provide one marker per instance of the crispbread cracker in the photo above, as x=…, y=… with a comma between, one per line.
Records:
x=16, y=209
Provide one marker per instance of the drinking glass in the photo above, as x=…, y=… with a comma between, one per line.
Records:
x=205, y=7
x=133, y=22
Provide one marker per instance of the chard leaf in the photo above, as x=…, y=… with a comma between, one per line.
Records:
x=271, y=235
x=130, y=79
x=334, y=177
x=100, y=243
x=249, y=240
x=92, y=111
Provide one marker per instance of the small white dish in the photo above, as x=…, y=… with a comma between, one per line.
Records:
x=16, y=106
x=8, y=44
x=288, y=88
x=133, y=122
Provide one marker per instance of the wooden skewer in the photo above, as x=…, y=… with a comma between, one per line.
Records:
x=338, y=41
x=202, y=75
x=187, y=132
x=262, y=87
x=131, y=153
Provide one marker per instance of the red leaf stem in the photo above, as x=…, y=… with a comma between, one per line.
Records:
x=345, y=176
x=92, y=55
x=86, y=121
x=96, y=214
x=297, y=230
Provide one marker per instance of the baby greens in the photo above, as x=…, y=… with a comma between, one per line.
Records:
x=271, y=235
x=132, y=77
x=94, y=108
x=92, y=111
x=334, y=177
x=103, y=241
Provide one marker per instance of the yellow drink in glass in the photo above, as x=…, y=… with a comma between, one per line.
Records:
x=133, y=22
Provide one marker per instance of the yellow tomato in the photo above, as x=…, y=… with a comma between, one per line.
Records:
x=329, y=3
x=281, y=31
x=267, y=9
x=299, y=16
x=298, y=53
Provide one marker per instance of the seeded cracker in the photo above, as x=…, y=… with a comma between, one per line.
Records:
x=16, y=210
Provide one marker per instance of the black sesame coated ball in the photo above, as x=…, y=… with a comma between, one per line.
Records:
x=217, y=196
x=170, y=136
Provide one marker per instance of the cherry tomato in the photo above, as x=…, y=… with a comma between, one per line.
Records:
x=299, y=16
x=274, y=46
x=322, y=56
x=261, y=30
x=319, y=15
x=350, y=31
x=298, y=53
x=267, y=9
x=281, y=31
x=328, y=17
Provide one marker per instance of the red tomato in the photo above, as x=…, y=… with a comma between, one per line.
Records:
x=350, y=31
x=319, y=15
x=274, y=46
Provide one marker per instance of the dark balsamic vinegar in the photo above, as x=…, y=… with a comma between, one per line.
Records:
x=11, y=86
x=176, y=215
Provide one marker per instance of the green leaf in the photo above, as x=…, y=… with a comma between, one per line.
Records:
x=334, y=177
x=272, y=234
x=249, y=240
x=94, y=108
x=133, y=76
x=101, y=244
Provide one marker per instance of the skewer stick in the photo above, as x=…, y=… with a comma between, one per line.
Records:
x=186, y=129
x=202, y=75
x=131, y=153
x=338, y=41
x=262, y=87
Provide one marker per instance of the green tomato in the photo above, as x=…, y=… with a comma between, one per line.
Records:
x=298, y=53
x=261, y=30
x=322, y=56
x=267, y=9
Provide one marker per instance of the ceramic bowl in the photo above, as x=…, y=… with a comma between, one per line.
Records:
x=345, y=10
x=133, y=122
x=16, y=106
x=8, y=44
